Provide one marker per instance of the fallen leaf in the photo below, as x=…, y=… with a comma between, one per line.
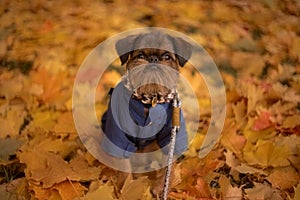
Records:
x=284, y=178
x=65, y=124
x=8, y=148
x=227, y=190
x=231, y=140
x=291, y=121
x=239, y=110
x=104, y=192
x=253, y=136
x=265, y=154
x=43, y=119
x=53, y=86
x=135, y=189
x=262, y=191
x=297, y=192
x=11, y=123
x=50, y=169
x=262, y=122
x=69, y=190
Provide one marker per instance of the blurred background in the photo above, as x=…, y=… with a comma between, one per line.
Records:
x=254, y=43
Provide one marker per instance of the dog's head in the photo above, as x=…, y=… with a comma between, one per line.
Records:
x=152, y=63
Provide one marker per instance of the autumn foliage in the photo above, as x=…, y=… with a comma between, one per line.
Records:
x=256, y=46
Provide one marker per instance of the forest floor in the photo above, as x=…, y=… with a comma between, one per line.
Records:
x=256, y=46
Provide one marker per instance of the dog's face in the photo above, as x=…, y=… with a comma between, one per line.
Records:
x=152, y=73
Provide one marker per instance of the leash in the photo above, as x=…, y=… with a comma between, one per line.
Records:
x=175, y=127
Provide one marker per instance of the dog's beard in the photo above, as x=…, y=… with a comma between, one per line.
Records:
x=151, y=80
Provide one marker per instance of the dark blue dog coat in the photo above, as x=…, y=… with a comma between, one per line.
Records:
x=128, y=130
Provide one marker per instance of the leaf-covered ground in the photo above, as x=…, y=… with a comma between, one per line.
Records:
x=255, y=44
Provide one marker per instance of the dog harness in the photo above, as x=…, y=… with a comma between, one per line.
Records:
x=122, y=140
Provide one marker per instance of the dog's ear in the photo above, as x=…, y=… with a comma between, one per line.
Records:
x=124, y=47
x=183, y=50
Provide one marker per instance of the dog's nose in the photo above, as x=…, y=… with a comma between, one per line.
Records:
x=152, y=59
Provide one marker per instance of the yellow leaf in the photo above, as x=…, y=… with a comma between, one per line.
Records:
x=104, y=192
x=134, y=189
x=265, y=154
x=291, y=121
x=43, y=119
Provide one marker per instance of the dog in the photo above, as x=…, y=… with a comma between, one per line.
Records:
x=139, y=118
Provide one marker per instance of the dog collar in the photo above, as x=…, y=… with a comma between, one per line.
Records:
x=152, y=99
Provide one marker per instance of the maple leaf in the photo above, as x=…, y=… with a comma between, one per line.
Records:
x=51, y=169
x=239, y=110
x=227, y=190
x=284, y=178
x=11, y=123
x=262, y=122
x=135, y=189
x=231, y=140
x=53, y=85
x=69, y=190
x=291, y=121
x=266, y=153
x=297, y=192
x=65, y=124
x=263, y=191
x=8, y=148
x=12, y=87
x=103, y=191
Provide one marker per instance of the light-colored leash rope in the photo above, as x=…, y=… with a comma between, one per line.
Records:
x=175, y=127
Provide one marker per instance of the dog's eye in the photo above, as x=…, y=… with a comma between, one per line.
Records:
x=140, y=56
x=167, y=56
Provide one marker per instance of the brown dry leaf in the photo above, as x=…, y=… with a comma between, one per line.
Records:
x=15, y=189
x=284, y=178
x=69, y=190
x=65, y=124
x=41, y=193
x=239, y=110
x=291, y=121
x=297, y=192
x=286, y=93
x=266, y=153
x=12, y=87
x=262, y=191
x=227, y=190
x=11, y=123
x=63, y=147
x=53, y=85
x=231, y=159
x=200, y=189
x=49, y=168
x=104, y=192
x=135, y=189
x=247, y=63
x=8, y=147
x=231, y=140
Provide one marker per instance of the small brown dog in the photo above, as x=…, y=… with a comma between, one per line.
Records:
x=152, y=69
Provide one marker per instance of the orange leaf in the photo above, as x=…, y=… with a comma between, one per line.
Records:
x=262, y=122
x=69, y=190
